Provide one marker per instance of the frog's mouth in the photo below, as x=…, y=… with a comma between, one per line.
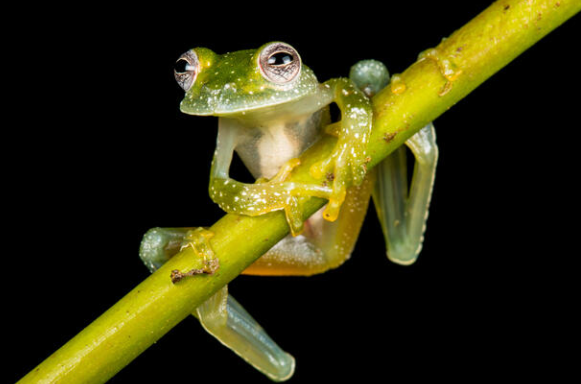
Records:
x=225, y=110
x=226, y=103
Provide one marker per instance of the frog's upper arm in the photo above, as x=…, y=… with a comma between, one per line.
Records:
x=228, y=135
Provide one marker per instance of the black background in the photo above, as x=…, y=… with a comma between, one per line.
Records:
x=101, y=153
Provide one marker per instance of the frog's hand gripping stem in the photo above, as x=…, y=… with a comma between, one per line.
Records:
x=262, y=197
x=221, y=315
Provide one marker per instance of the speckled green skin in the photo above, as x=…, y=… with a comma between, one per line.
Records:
x=233, y=86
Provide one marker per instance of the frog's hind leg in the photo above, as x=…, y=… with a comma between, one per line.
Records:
x=221, y=315
x=226, y=320
x=323, y=245
x=403, y=216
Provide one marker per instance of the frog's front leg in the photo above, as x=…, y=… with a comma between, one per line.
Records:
x=220, y=315
x=347, y=164
x=403, y=215
x=262, y=197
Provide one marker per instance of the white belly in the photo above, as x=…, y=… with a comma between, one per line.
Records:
x=266, y=148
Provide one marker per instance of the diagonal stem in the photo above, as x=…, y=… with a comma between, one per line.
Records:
x=440, y=78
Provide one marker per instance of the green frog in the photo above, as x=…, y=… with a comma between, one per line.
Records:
x=271, y=108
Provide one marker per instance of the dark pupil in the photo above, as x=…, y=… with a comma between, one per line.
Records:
x=280, y=58
x=181, y=66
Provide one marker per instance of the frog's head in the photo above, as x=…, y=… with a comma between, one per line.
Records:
x=242, y=81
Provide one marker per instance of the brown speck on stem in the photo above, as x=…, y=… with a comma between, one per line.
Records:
x=209, y=269
x=388, y=137
x=506, y=7
x=330, y=176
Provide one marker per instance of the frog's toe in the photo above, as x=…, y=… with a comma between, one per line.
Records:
x=285, y=170
x=331, y=212
x=294, y=216
x=199, y=240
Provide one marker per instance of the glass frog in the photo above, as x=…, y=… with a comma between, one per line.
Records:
x=271, y=108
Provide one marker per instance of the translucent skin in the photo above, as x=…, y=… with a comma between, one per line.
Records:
x=271, y=108
x=233, y=87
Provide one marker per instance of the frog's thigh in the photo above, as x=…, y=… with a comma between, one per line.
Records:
x=221, y=315
x=323, y=245
x=403, y=216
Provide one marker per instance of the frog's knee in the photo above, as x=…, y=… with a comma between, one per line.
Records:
x=159, y=245
x=404, y=252
x=370, y=76
x=152, y=248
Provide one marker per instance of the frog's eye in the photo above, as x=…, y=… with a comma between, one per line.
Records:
x=279, y=63
x=186, y=69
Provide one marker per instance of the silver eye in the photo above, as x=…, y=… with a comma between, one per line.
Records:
x=186, y=69
x=279, y=63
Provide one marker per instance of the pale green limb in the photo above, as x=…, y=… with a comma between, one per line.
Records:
x=226, y=320
x=403, y=215
x=220, y=315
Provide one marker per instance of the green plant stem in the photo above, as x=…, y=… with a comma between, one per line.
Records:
x=424, y=91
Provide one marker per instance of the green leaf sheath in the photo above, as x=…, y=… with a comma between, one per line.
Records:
x=434, y=83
